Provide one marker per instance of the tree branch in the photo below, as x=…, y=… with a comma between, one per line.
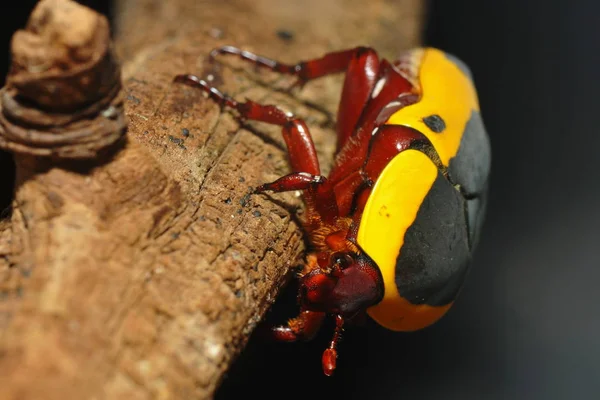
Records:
x=136, y=267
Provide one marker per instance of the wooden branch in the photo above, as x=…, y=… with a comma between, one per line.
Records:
x=136, y=267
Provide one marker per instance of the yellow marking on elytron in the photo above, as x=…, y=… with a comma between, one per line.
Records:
x=447, y=92
x=391, y=209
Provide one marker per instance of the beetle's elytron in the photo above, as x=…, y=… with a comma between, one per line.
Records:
x=393, y=226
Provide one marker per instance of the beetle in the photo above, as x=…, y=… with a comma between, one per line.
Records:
x=393, y=227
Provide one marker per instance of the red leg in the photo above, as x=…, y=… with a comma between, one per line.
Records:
x=301, y=149
x=361, y=77
x=304, y=327
x=362, y=72
x=395, y=93
x=329, y=359
x=330, y=63
x=293, y=181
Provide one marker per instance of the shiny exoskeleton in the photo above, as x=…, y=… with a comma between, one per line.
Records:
x=393, y=226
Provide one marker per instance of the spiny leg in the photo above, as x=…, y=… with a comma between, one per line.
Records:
x=301, y=149
x=363, y=70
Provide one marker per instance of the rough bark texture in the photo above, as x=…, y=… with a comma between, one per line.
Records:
x=140, y=273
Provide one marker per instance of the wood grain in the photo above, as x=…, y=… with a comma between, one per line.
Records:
x=141, y=275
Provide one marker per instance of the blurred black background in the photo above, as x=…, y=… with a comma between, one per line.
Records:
x=527, y=324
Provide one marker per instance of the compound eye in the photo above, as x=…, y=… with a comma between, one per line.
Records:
x=342, y=260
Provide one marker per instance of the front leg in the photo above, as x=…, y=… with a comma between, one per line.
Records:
x=304, y=327
x=329, y=359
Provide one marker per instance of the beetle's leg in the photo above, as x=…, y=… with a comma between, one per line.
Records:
x=304, y=327
x=293, y=181
x=301, y=149
x=392, y=93
x=361, y=77
x=330, y=63
x=329, y=359
x=361, y=65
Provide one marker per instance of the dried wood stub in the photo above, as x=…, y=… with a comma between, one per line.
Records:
x=63, y=93
x=141, y=273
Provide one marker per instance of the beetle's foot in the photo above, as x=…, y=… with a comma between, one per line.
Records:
x=329, y=359
x=291, y=182
x=304, y=327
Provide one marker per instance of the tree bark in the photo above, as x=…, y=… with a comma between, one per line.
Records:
x=139, y=272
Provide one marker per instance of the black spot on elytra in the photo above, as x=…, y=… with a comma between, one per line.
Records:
x=435, y=123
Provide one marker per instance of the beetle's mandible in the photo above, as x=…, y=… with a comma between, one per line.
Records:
x=393, y=226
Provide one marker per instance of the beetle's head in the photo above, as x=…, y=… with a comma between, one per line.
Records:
x=343, y=282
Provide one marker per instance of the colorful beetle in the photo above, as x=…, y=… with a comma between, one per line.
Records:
x=393, y=226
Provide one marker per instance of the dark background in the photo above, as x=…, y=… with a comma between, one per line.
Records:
x=527, y=324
